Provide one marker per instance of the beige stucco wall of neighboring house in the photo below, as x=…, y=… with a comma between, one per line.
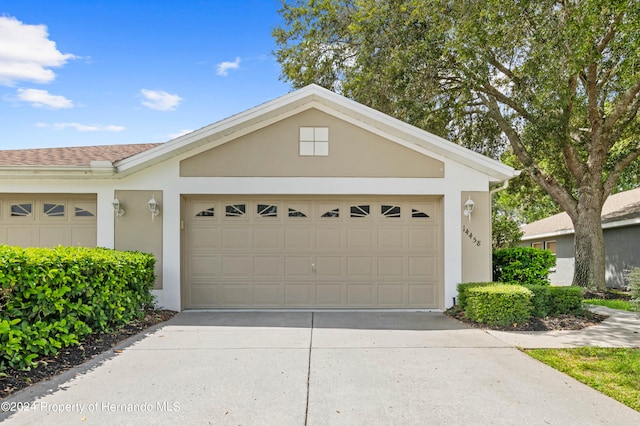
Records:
x=476, y=237
x=274, y=151
x=136, y=230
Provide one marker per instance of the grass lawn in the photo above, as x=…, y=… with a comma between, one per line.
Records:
x=623, y=305
x=613, y=371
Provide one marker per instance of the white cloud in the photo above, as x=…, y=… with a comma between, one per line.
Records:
x=82, y=127
x=26, y=53
x=42, y=98
x=224, y=67
x=179, y=133
x=160, y=100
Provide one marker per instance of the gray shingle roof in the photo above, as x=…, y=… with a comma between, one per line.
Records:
x=621, y=206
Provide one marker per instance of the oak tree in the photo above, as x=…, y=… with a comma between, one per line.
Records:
x=557, y=82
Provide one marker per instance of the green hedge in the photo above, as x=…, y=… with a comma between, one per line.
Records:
x=51, y=298
x=501, y=304
x=565, y=300
x=463, y=292
x=523, y=265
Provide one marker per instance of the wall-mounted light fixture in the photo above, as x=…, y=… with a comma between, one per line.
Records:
x=468, y=207
x=153, y=207
x=117, y=208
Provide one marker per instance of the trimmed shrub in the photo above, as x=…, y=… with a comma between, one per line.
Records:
x=499, y=304
x=463, y=292
x=541, y=300
x=523, y=265
x=565, y=300
x=634, y=287
x=51, y=298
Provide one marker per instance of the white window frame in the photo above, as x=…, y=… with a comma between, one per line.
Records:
x=313, y=141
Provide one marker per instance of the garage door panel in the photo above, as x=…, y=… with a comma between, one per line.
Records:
x=325, y=252
x=236, y=266
x=237, y=238
x=204, y=266
x=423, y=239
x=360, y=266
x=203, y=237
x=391, y=266
x=83, y=237
x=268, y=295
x=298, y=294
x=24, y=237
x=296, y=266
x=298, y=238
x=328, y=266
x=391, y=238
x=360, y=294
x=359, y=238
x=203, y=296
x=392, y=294
x=330, y=294
x=267, y=266
x=422, y=295
x=329, y=238
x=51, y=237
x=235, y=294
x=422, y=266
x=267, y=238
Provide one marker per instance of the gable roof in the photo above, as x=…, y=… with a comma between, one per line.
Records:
x=620, y=209
x=311, y=96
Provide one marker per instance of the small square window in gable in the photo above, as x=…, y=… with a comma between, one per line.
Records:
x=314, y=141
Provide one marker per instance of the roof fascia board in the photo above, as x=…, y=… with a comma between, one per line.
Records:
x=56, y=172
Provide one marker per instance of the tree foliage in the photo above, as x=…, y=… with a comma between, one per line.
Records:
x=559, y=80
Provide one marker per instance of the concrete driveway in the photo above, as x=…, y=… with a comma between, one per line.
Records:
x=327, y=368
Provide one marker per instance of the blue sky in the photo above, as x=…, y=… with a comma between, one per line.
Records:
x=98, y=72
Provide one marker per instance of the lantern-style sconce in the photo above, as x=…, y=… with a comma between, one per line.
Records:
x=153, y=207
x=117, y=208
x=468, y=207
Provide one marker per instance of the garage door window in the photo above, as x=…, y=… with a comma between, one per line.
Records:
x=236, y=210
x=418, y=214
x=390, y=211
x=53, y=210
x=267, y=210
x=332, y=213
x=360, y=211
x=210, y=212
x=21, y=210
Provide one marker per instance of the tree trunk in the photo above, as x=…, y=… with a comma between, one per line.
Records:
x=589, y=268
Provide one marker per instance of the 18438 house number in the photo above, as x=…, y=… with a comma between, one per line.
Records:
x=469, y=234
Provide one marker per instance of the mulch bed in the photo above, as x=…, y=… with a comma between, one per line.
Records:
x=561, y=322
x=67, y=358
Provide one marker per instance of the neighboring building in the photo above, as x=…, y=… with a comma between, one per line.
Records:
x=308, y=201
x=621, y=227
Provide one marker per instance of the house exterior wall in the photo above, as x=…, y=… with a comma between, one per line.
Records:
x=476, y=237
x=274, y=152
x=621, y=253
x=136, y=230
x=165, y=177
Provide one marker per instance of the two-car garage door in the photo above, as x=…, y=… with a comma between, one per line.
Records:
x=312, y=252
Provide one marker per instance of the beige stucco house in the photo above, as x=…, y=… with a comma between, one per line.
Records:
x=310, y=200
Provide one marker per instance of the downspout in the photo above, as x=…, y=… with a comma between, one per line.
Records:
x=500, y=188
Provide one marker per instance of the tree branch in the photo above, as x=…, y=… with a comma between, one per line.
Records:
x=610, y=33
x=572, y=158
x=558, y=192
x=629, y=97
x=504, y=99
x=614, y=175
